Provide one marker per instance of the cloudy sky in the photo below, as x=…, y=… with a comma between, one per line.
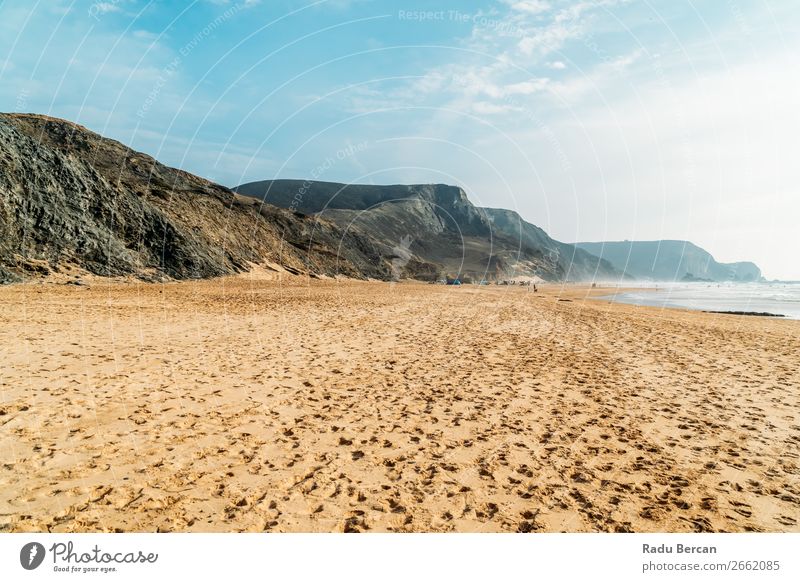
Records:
x=596, y=119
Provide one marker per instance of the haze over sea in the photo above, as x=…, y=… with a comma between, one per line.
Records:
x=777, y=298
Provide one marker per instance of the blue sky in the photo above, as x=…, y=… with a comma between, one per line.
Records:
x=600, y=119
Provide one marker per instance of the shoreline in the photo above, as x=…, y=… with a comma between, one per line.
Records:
x=716, y=306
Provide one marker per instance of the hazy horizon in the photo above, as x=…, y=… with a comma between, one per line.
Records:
x=597, y=120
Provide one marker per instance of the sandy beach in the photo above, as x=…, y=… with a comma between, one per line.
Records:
x=251, y=404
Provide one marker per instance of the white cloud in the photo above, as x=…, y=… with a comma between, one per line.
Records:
x=528, y=6
x=525, y=88
x=145, y=35
x=596, y=80
x=548, y=39
x=487, y=108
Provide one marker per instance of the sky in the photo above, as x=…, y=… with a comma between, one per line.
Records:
x=594, y=119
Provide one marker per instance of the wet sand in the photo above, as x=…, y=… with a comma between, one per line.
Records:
x=248, y=404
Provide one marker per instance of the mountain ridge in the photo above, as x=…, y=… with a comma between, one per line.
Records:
x=446, y=228
x=72, y=198
x=670, y=260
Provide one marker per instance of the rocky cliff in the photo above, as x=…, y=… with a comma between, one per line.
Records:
x=573, y=263
x=670, y=260
x=70, y=198
x=446, y=234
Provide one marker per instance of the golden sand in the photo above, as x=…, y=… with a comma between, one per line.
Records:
x=244, y=404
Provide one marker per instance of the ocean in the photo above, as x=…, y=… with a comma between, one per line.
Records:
x=775, y=298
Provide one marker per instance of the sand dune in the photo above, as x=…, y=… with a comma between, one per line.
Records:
x=244, y=404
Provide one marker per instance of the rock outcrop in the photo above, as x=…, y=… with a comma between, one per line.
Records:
x=71, y=198
x=446, y=234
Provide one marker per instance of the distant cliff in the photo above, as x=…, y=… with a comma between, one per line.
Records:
x=444, y=232
x=573, y=263
x=669, y=260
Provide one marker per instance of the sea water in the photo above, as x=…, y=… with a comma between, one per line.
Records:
x=777, y=298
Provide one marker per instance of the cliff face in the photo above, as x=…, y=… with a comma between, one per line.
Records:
x=69, y=197
x=573, y=263
x=670, y=260
x=744, y=271
x=447, y=233
x=448, y=206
